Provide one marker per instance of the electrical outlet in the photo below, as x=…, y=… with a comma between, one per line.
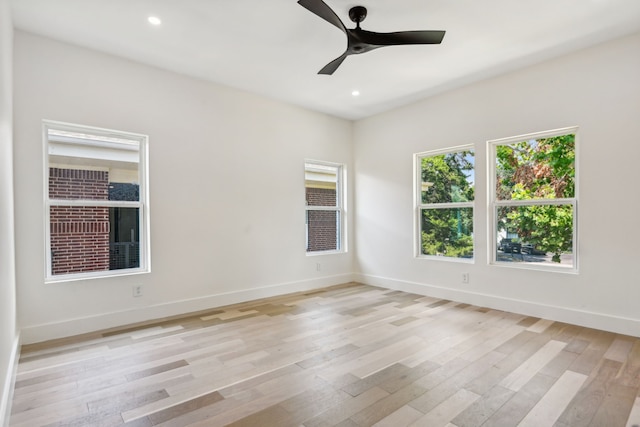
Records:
x=137, y=290
x=465, y=277
x=318, y=267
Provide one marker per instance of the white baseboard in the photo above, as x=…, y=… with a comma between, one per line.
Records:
x=9, y=384
x=606, y=322
x=70, y=327
x=77, y=326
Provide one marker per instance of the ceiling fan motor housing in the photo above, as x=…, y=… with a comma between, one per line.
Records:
x=357, y=14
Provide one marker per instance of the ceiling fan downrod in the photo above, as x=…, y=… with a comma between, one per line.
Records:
x=357, y=14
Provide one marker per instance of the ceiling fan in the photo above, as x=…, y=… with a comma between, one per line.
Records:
x=361, y=41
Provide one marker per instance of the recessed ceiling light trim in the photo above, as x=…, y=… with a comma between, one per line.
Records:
x=154, y=20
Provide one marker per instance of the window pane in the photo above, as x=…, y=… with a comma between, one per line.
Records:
x=90, y=167
x=447, y=178
x=90, y=184
x=79, y=239
x=124, y=192
x=447, y=232
x=541, y=168
x=540, y=234
x=124, y=238
x=321, y=196
x=91, y=238
x=322, y=231
x=321, y=184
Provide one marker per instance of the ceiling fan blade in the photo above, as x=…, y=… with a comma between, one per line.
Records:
x=401, y=37
x=321, y=9
x=333, y=65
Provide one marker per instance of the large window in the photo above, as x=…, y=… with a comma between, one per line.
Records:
x=324, y=207
x=96, y=204
x=533, y=200
x=444, y=203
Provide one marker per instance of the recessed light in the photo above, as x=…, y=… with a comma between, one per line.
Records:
x=154, y=20
x=355, y=93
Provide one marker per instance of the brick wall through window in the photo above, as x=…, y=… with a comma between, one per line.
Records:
x=322, y=226
x=79, y=234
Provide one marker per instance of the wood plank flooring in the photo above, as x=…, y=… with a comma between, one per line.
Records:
x=349, y=355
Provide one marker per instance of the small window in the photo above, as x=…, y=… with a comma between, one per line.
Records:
x=96, y=204
x=445, y=191
x=324, y=207
x=533, y=197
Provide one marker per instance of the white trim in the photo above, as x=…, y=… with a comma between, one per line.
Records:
x=534, y=202
x=535, y=135
x=131, y=145
x=340, y=170
x=447, y=150
x=9, y=383
x=446, y=258
x=108, y=134
x=590, y=319
x=418, y=205
x=95, y=203
x=323, y=208
x=103, y=274
x=76, y=326
x=451, y=205
x=120, y=140
x=320, y=253
x=493, y=203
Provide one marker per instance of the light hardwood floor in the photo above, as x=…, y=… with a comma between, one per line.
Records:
x=350, y=355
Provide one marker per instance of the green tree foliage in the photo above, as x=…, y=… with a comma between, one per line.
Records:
x=538, y=169
x=447, y=178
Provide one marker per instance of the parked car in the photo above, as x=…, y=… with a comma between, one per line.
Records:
x=509, y=246
x=530, y=248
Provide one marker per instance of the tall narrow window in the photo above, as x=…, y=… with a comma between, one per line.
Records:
x=96, y=205
x=534, y=204
x=445, y=186
x=324, y=207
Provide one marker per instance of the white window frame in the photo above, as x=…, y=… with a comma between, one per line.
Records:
x=340, y=208
x=494, y=203
x=419, y=206
x=100, y=137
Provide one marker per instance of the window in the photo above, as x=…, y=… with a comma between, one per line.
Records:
x=444, y=203
x=324, y=207
x=96, y=204
x=533, y=200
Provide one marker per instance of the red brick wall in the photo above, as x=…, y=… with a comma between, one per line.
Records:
x=79, y=235
x=78, y=184
x=321, y=225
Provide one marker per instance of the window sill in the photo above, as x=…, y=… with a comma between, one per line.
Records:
x=562, y=269
x=446, y=259
x=63, y=278
x=319, y=253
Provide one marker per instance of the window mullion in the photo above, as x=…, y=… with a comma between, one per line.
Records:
x=535, y=202
x=323, y=208
x=93, y=202
x=451, y=205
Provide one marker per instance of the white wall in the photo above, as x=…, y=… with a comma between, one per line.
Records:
x=226, y=188
x=227, y=197
x=8, y=328
x=597, y=89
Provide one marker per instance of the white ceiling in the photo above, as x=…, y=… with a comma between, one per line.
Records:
x=276, y=47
